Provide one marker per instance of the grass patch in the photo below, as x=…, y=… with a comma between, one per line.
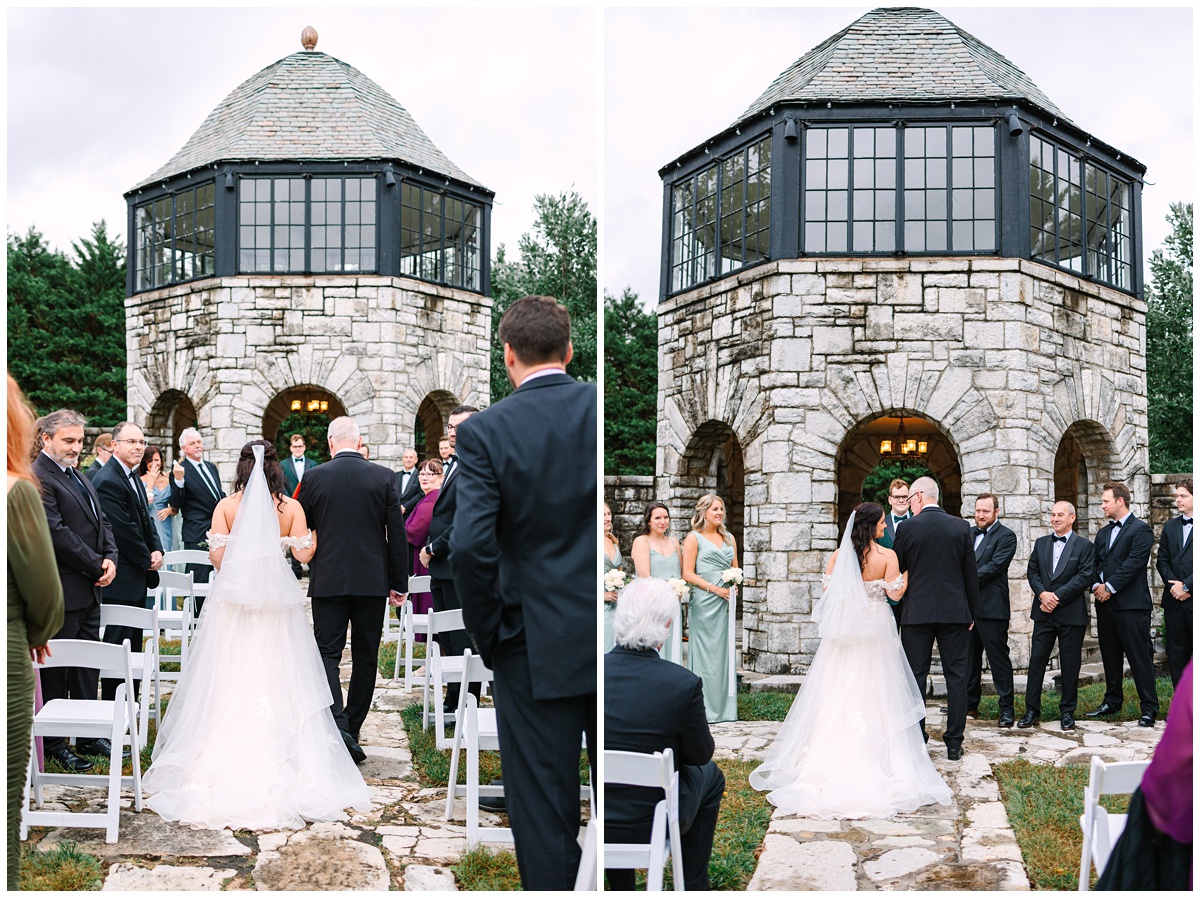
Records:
x=1044, y=804
x=764, y=705
x=63, y=869
x=482, y=870
x=1090, y=697
x=170, y=647
x=741, y=827
x=387, y=656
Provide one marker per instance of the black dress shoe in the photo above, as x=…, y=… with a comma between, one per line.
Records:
x=495, y=804
x=1006, y=719
x=353, y=747
x=1103, y=711
x=973, y=713
x=70, y=760
x=1068, y=722
x=954, y=754
x=101, y=747
x=1146, y=720
x=1027, y=721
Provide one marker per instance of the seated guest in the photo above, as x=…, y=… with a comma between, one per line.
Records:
x=417, y=529
x=650, y=705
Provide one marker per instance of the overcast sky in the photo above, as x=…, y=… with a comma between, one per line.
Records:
x=98, y=99
x=674, y=78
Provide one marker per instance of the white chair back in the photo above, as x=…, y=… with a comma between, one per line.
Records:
x=589, y=860
x=171, y=584
x=419, y=584
x=651, y=771
x=1100, y=828
x=144, y=663
x=439, y=670
x=186, y=556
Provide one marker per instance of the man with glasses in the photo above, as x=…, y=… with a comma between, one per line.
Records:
x=899, y=512
x=102, y=450
x=139, y=551
x=195, y=491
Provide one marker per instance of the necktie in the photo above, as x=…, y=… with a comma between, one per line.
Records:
x=78, y=484
x=138, y=488
x=207, y=478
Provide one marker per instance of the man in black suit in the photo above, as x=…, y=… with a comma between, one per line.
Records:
x=1174, y=564
x=361, y=562
x=295, y=466
x=995, y=545
x=651, y=705
x=86, y=555
x=899, y=513
x=523, y=553
x=195, y=491
x=408, y=485
x=935, y=550
x=102, y=450
x=436, y=553
x=1123, y=604
x=139, y=552
x=1060, y=571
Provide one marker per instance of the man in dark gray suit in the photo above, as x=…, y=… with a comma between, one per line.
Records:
x=195, y=491
x=102, y=450
x=1174, y=564
x=523, y=553
x=1060, y=571
x=995, y=546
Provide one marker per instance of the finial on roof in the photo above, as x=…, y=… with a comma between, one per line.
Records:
x=308, y=37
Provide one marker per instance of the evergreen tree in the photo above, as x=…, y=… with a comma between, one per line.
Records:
x=630, y=385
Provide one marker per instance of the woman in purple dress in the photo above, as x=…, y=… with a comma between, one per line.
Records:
x=429, y=476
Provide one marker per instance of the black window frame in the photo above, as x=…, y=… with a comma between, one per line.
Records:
x=177, y=257
x=452, y=257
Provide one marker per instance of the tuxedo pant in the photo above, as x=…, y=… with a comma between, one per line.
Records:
x=72, y=682
x=1177, y=632
x=953, y=642
x=200, y=572
x=540, y=743
x=700, y=791
x=1126, y=634
x=117, y=635
x=364, y=616
x=1070, y=651
x=990, y=636
x=454, y=642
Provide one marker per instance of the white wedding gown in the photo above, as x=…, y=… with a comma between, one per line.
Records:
x=851, y=745
x=248, y=740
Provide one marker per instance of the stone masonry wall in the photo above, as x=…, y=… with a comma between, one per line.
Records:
x=379, y=344
x=1002, y=355
x=628, y=496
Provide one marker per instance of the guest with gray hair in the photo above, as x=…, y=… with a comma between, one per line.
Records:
x=651, y=705
x=195, y=491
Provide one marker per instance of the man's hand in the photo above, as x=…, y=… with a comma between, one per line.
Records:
x=108, y=570
x=396, y=599
x=1048, y=600
x=177, y=471
x=1101, y=593
x=425, y=556
x=155, y=560
x=1178, y=591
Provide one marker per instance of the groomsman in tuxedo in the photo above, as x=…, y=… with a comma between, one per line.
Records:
x=436, y=553
x=139, y=552
x=408, y=486
x=1123, y=604
x=1174, y=564
x=360, y=563
x=898, y=500
x=936, y=551
x=86, y=556
x=995, y=546
x=295, y=466
x=195, y=491
x=523, y=554
x=102, y=450
x=1060, y=571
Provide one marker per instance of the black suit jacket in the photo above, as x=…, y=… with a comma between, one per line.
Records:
x=289, y=472
x=82, y=536
x=133, y=530
x=1071, y=581
x=523, y=545
x=93, y=469
x=992, y=558
x=441, y=524
x=195, y=500
x=1174, y=561
x=937, y=551
x=1126, y=565
x=649, y=707
x=361, y=549
x=410, y=496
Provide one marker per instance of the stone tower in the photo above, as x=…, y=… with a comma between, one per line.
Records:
x=308, y=248
x=901, y=226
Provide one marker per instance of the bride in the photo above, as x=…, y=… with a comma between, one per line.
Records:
x=851, y=745
x=248, y=741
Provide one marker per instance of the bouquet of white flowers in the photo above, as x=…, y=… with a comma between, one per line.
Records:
x=732, y=576
x=680, y=587
x=614, y=580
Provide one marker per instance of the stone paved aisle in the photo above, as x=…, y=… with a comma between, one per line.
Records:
x=966, y=846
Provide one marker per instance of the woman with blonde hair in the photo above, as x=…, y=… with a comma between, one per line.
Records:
x=35, y=607
x=708, y=551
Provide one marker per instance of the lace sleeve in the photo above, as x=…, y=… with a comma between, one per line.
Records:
x=895, y=584
x=825, y=578
x=297, y=542
x=217, y=540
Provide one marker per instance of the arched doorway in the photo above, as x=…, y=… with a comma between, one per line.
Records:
x=1085, y=460
x=713, y=464
x=172, y=414
x=430, y=424
x=305, y=409
x=862, y=452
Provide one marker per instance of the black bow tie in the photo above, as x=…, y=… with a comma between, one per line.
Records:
x=1060, y=539
x=979, y=532
x=1187, y=522
x=1116, y=523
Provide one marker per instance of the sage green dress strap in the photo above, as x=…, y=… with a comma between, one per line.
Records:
x=610, y=608
x=665, y=567
x=708, y=632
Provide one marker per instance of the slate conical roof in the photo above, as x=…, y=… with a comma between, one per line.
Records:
x=902, y=55
x=309, y=106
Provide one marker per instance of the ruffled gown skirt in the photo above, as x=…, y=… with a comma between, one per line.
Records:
x=248, y=740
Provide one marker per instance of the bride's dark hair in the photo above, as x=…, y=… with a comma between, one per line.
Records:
x=274, y=473
x=866, y=518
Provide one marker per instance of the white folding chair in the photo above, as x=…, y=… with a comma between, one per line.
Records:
x=440, y=669
x=91, y=719
x=626, y=768
x=170, y=585
x=1100, y=828
x=589, y=861
x=181, y=557
x=144, y=664
x=411, y=624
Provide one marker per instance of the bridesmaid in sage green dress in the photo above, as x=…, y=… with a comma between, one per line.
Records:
x=707, y=551
x=655, y=554
x=612, y=560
